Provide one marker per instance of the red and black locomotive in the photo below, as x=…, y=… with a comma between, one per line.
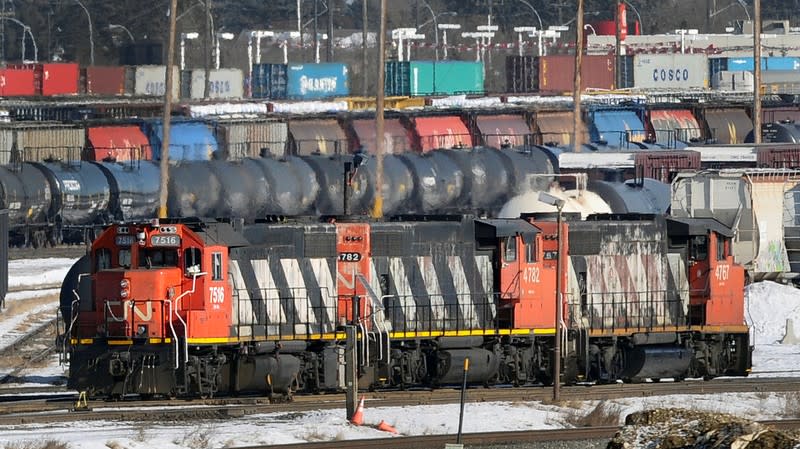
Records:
x=197, y=307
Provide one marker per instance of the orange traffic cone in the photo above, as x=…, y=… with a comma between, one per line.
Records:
x=386, y=427
x=358, y=416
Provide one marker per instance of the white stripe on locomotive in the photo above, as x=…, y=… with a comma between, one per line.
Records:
x=466, y=298
x=486, y=272
x=297, y=288
x=403, y=288
x=243, y=308
x=270, y=295
x=328, y=292
x=434, y=291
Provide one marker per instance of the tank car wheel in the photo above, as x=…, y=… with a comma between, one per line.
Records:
x=39, y=239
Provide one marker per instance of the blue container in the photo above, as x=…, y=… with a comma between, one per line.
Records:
x=317, y=81
x=617, y=127
x=771, y=63
x=269, y=81
x=188, y=141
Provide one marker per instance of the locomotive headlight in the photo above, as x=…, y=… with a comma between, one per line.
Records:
x=141, y=330
x=124, y=283
x=140, y=236
x=123, y=294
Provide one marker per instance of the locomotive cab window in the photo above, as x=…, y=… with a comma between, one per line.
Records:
x=159, y=257
x=530, y=252
x=699, y=248
x=192, y=262
x=722, y=247
x=510, y=249
x=102, y=259
x=124, y=258
x=216, y=266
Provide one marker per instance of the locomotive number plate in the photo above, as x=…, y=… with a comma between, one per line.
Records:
x=349, y=257
x=124, y=240
x=171, y=240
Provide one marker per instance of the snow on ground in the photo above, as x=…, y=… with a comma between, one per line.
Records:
x=32, y=272
x=769, y=307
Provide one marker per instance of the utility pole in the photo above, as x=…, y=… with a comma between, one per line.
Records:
x=618, y=53
x=364, y=56
x=164, y=165
x=316, y=31
x=377, y=210
x=208, y=44
x=757, y=72
x=329, y=56
x=576, y=87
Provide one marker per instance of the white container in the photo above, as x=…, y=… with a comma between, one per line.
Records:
x=151, y=81
x=670, y=71
x=733, y=81
x=225, y=83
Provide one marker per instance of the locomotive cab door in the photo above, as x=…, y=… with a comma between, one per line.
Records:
x=510, y=267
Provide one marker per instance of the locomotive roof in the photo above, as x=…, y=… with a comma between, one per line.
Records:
x=502, y=227
x=697, y=226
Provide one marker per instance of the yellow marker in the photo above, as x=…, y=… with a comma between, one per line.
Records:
x=466, y=364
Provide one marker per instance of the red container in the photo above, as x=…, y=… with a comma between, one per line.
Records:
x=557, y=72
x=663, y=165
x=779, y=156
x=105, y=80
x=16, y=83
x=54, y=78
x=119, y=143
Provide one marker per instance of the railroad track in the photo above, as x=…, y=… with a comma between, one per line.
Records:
x=26, y=411
x=30, y=348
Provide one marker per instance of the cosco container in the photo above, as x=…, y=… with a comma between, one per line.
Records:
x=241, y=139
x=151, y=81
x=557, y=73
x=104, y=80
x=16, y=83
x=188, y=141
x=670, y=71
x=269, y=81
x=54, y=78
x=522, y=74
x=225, y=83
x=316, y=81
x=38, y=143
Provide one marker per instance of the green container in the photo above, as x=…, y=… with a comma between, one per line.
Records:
x=424, y=78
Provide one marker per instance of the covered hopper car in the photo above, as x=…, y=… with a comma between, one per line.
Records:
x=201, y=307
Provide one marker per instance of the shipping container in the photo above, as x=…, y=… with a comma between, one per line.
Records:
x=269, y=81
x=188, y=141
x=316, y=81
x=728, y=126
x=441, y=132
x=503, y=131
x=522, y=74
x=150, y=81
x=670, y=71
x=105, y=80
x=557, y=73
x=55, y=78
x=117, y=143
x=396, y=138
x=225, y=83
x=241, y=139
x=617, y=127
x=556, y=128
x=17, y=83
x=747, y=63
x=317, y=137
x=6, y=145
x=626, y=80
x=42, y=143
x=733, y=81
x=424, y=78
x=671, y=126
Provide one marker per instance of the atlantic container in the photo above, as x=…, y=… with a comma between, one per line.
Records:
x=522, y=74
x=188, y=141
x=241, y=139
x=151, y=81
x=317, y=81
x=225, y=84
x=105, y=80
x=41, y=143
x=557, y=73
x=670, y=71
x=16, y=83
x=269, y=81
x=54, y=78
x=116, y=143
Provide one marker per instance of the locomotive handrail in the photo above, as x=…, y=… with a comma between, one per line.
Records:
x=174, y=334
x=72, y=314
x=186, y=323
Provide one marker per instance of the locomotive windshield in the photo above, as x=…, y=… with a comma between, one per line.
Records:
x=158, y=257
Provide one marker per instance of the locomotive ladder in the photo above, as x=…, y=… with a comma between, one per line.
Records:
x=378, y=319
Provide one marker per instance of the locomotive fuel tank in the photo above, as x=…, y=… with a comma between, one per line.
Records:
x=483, y=365
x=134, y=189
x=656, y=362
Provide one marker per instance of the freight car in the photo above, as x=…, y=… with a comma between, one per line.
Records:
x=196, y=307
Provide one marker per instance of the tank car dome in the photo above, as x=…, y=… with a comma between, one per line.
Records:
x=581, y=201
